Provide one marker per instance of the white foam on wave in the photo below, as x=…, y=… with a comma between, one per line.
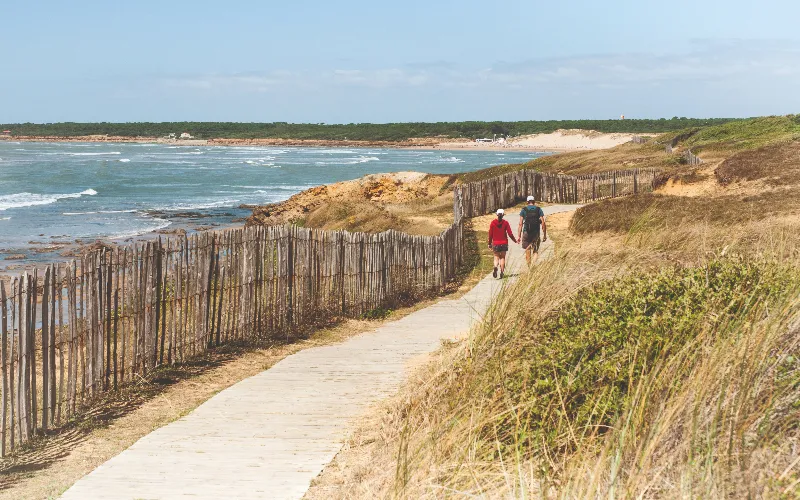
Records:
x=5, y=218
x=124, y=160
x=20, y=200
x=350, y=161
x=96, y=154
x=101, y=212
x=158, y=224
x=280, y=186
x=449, y=159
x=198, y=206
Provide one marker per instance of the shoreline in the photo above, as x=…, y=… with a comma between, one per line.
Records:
x=561, y=141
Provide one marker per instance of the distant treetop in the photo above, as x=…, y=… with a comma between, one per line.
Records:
x=355, y=131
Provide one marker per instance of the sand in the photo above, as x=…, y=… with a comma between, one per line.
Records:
x=558, y=141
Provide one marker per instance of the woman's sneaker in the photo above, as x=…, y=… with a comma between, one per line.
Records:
x=494, y=273
x=501, y=274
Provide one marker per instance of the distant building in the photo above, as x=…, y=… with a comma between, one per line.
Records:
x=6, y=132
x=484, y=139
x=621, y=117
x=186, y=135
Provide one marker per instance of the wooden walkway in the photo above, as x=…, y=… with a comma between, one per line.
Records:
x=269, y=435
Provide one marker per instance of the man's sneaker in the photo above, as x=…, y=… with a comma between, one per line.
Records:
x=494, y=273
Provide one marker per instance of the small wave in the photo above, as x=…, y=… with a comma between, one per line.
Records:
x=124, y=160
x=350, y=161
x=20, y=200
x=449, y=159
x=160, y=224
x=101, y=212
x=95, y=154
x=280, y=186
x=198, y=206
x=5, y=218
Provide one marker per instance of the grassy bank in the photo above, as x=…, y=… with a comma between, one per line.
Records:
x=655, y=356
x=713, y=143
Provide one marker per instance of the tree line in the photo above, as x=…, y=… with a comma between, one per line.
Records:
x=354, y=131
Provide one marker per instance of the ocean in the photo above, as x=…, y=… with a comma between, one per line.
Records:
x=54, y=194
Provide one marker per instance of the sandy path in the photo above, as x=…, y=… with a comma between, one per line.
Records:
x=271, y=434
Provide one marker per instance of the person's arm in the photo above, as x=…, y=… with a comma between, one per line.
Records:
x=490, y=235
x=510, y=232
x=519, y=229
x=544, y=228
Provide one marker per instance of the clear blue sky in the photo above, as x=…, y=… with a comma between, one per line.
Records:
x=377, y=61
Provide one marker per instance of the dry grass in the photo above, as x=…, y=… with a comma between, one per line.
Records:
x=705, y=436
x=714, y=416
x=426, y=217
x=625, y=156
x=774, y=165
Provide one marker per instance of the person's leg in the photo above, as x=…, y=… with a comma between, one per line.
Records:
x=526, y=245
x=502, y=263
x=535, y=248
x=496, y=263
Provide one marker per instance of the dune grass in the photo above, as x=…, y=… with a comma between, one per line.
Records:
x=608, y=373
x=657, y=355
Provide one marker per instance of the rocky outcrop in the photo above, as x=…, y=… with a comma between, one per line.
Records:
x=382, y=189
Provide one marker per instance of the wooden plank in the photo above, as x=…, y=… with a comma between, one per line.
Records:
x=59, y=287
x=12, y=358
x=50, y=395
x=31, y=351
x=45, y=349
x=108, y=337
x=3, y=356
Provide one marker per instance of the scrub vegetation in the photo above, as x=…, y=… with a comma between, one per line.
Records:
x=656, y=355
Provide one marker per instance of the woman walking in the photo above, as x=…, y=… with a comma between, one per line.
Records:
x=499, y=232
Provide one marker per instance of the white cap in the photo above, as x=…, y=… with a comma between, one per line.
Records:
x=531, y=198
x=500, y=211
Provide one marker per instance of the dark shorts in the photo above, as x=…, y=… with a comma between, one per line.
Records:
x=531, y=241
x=500, y=248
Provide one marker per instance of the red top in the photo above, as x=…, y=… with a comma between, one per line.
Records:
x=498, y=231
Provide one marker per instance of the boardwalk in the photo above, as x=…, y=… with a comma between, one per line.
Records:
x=270, y=435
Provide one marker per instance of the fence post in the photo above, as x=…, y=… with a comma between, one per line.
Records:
x=614, y=184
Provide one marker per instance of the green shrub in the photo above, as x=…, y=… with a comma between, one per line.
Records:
x=570, y=374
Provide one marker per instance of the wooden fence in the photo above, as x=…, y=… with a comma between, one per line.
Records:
x=73, y=331
x=486, y=196
x=76, y=330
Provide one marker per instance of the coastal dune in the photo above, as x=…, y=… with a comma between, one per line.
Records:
x=558, y=141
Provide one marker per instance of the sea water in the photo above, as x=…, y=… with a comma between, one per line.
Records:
x=57, y=193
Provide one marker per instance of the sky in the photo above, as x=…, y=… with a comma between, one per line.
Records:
x=353, y=61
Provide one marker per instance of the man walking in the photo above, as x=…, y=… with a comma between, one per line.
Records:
x=530, y=218
x=498, y=241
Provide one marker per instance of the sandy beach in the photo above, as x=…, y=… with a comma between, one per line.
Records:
x=558, y=141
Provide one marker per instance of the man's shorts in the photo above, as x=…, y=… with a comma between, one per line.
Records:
x=531, y=241
x=500, y=248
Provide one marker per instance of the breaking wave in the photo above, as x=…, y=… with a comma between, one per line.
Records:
x=20, y=200
x=96, y=154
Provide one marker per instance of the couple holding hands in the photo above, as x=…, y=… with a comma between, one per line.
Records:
x=531, y=232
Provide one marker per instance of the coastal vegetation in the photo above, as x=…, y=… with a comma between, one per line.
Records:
x=714, y=143
x=391, y=132
x=654, y=356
